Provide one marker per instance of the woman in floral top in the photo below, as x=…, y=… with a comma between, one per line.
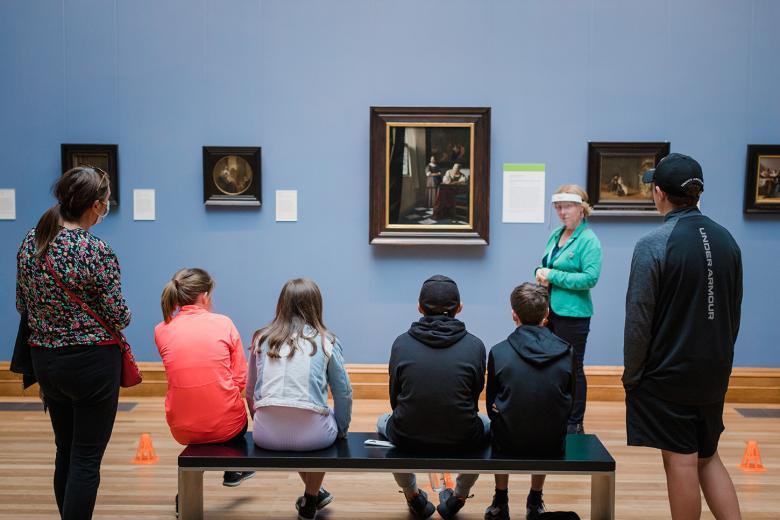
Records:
x=76, y=362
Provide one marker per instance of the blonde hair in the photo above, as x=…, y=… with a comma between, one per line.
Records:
x=576, y=190
x=299, y=305
x=183, y=289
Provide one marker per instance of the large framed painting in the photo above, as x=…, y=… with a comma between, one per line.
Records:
x=762, y=185
x=430, y=176
x=615, y=170
x=231, y=176
x=103, y=156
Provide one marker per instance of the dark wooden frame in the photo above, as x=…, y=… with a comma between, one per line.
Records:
x=619, y=208
x=379, y=231
x=70, y=151
x=212, y=196
x=754, y=151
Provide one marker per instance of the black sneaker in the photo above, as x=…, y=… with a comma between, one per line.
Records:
x=497, y=510
x=449, y=504
x=234, y=478
x=419, y=505
x=306, y=511
x=324, y=498
x=534, y=511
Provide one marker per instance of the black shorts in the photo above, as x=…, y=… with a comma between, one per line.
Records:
x=679, y=428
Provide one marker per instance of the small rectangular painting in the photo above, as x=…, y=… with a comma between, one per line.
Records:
x=615, y=171
x=762, y=186
x=429, y=177
x=103, y=156
x=231, y=176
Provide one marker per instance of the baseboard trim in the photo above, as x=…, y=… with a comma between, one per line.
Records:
x=370, y=381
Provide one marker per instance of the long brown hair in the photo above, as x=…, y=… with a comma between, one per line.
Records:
x=300, y=304
x=183, y=289
x=76, y=191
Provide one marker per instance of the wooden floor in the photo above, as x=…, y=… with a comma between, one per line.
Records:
x=144, y=492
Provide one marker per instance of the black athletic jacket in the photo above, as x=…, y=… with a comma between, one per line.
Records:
x=531, y=381
x=683, y=310
x=437, y=371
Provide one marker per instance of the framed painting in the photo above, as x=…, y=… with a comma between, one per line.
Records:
x=103, y=156
x=615, y=172
x=762, y=184
x=429, y=176
x=231, y=176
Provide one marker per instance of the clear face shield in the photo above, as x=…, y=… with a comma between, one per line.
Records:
x=561, y=199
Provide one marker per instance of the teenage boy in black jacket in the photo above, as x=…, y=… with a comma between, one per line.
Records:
x=531, y=377
x=437, y=371
x=682, y=319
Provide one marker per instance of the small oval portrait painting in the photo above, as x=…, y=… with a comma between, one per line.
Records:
x=232, y=175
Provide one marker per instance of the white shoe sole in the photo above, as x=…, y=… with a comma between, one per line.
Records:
x=237, y=482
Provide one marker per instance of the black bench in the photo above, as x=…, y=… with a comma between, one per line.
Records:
x=585, y=455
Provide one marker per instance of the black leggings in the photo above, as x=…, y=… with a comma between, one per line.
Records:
x=575, y=332
x=80, y=386
x=239, y=437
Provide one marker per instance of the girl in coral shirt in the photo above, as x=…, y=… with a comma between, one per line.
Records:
x=205, y=364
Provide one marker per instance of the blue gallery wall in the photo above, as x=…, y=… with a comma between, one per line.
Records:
x=163, y=78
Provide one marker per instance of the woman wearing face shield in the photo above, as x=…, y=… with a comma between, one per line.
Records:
x=570, y=268
x=76, y=361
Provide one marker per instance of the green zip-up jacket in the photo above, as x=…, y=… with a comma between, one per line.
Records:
x=573, y=272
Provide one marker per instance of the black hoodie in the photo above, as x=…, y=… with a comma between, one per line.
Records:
x=531, y=382
x=437, y=371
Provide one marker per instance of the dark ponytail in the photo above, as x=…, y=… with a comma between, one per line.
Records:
x=47, y=228
x=76, y=191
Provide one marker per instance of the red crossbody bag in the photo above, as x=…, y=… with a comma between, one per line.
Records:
x=131, y=376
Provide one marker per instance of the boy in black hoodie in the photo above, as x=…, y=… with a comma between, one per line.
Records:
x=437, y=371
x=530, y=385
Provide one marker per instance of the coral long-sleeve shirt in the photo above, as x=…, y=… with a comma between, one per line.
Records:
x=206, y=368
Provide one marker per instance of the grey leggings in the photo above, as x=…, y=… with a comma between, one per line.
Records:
x=408, y=481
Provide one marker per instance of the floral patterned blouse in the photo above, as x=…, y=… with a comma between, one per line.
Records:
x=88, y=267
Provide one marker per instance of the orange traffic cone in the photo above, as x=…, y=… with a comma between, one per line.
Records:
x=751, y=461
x=440, y=481
x=448, y=480
x=145, y=453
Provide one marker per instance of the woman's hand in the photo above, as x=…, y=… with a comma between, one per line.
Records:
x=541, y=276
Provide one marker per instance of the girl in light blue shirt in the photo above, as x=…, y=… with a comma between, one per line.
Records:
x=293, y=361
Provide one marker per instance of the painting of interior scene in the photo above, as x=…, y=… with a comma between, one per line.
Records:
x=429, y=175
x=621, y=177
x=232, y=175
x=768, y=182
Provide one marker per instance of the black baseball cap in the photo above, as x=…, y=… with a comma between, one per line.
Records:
x=674, y=172
x=439, y=295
